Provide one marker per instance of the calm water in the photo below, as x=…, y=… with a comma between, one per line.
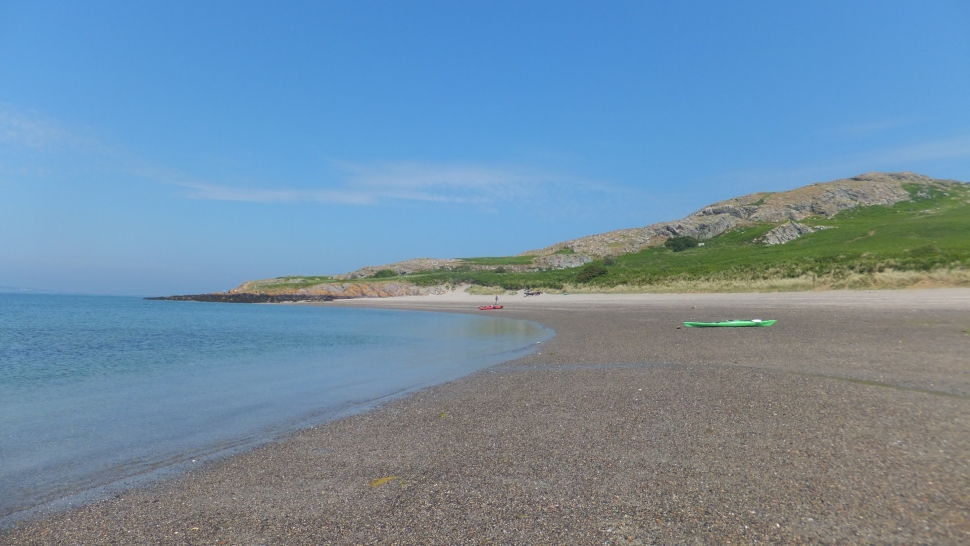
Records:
x=109, y=390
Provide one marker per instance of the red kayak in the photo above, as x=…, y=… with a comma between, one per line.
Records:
x=489, y=307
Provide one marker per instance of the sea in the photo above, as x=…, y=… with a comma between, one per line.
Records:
x=99, y=394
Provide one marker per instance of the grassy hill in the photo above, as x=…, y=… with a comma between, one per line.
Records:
x=864, y=246
x=924, y=240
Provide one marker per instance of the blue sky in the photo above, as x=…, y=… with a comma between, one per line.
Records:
x=183, y=147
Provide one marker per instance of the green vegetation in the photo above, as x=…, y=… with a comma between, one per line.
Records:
x=292, y=282
x=678, y=244
x=590, y=272
x=384, y=274
x=565, y=250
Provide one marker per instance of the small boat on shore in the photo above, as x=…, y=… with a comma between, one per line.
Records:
x=489, y=307
x=733, y=323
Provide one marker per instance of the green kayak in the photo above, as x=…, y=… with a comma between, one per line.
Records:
x=730, y=323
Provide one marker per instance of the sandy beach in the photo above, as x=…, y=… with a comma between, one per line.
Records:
x=846, y=422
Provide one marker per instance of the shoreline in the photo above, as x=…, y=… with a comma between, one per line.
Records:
x=621, y=429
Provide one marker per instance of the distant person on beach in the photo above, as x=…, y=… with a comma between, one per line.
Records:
x=496, y=299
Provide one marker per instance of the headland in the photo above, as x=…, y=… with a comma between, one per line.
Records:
x=871, y=231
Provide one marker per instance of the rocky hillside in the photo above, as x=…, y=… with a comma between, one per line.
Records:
x=785, y=209
x=820, y=199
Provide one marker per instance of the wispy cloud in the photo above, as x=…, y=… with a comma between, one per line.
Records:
x=346, y=183
x=257, y=195
x=20, y=128
x=450, y=182
x=25, y=132
x=386, y=183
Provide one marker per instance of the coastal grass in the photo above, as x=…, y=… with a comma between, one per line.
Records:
x=479, y=290
x=295, y=282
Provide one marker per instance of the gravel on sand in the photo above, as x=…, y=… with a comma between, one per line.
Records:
x=843, y=423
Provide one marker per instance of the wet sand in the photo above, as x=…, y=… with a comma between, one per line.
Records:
x=846, y=422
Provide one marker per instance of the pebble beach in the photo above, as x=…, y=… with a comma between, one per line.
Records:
x=846, y=422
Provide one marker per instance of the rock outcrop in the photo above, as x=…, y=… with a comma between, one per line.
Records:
x=788, y=232
x=562, y=261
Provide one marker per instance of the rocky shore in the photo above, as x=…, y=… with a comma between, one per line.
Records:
x=844, y=423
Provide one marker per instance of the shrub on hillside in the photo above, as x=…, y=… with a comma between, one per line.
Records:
x=609, y=261
x=385, y=273
x=681, y=243
x=590, y=272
